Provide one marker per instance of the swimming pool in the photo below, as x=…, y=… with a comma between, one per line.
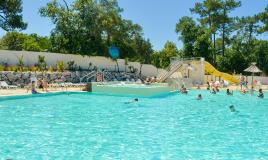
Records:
x=93, y=126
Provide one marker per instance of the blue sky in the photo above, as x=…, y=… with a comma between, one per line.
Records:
x=157, y=17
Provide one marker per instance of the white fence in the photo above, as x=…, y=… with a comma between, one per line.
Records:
x=31, y=58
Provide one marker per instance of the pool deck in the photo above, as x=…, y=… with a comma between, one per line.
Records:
x=15, y=92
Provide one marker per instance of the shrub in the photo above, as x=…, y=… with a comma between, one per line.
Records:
x=20, y=63
x=71, y=65
x=2, y=68
x=33, y=68
x=51, y=69
x=60, y=66
x=42, y=65
x=14, y=68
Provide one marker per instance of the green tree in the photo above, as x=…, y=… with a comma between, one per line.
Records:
x=90, y=27
x=30, y=44
x=202, y=44
x=226, y=22
x=170, y=50
x=260, y=51
x=263, y=17
x=209, y=12
x=13, y=41
x=155, y=59
x=10, y=15
x=187, y=28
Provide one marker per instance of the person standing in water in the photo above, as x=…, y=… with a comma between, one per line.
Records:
x=261, y=95
x=213, y=91
x=251, y=91
x=232, y=108
x=199, y=97
x=228, y=92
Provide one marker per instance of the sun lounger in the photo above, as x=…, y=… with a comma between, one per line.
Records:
x=4, y=85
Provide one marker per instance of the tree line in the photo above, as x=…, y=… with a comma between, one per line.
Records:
x=90, y=27
x=229, y=42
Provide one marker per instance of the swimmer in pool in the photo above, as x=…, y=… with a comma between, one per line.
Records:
x=252, y=91
x=133, y=101
x=184, y=91
x=244, y=91
x=199, y=97
x=261, y=95
x=232, y=108
x=228, y=92
x=213, y=91
x=217, y=89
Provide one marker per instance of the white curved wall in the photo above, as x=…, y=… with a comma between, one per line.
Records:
x=31, y=58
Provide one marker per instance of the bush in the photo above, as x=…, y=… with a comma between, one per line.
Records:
x=33, y=68
x=2, y=68
x=71, y=65
x=60, y=66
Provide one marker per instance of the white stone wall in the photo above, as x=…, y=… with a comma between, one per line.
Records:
x=31, y=58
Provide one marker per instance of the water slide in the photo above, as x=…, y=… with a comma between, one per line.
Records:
x=213, y=71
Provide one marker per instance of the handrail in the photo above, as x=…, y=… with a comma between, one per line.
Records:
x=171, y=69
x=90, y=75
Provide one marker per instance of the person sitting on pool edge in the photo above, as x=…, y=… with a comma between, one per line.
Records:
x=199, y=97
x=261, y=95
x=228, y=92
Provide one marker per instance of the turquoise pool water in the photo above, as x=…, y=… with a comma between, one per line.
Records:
x=89, y=126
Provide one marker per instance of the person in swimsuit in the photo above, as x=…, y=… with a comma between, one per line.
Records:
x=199, y=97
x=133, y=101
x=208, y=86
x=228, y=92
x=242, y=81
x=33, y=88
x=252, y=91
x=184, y=91
x=232, y=108
x=261, y=95
x=213, y=91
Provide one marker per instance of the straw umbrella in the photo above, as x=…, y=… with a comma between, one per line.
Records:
x=253, y=69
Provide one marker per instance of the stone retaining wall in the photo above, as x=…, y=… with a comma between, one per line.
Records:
x=24, y=78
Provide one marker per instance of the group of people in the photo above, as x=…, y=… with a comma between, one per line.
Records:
x=148, y=81
x=215, y=90
x=40, y=84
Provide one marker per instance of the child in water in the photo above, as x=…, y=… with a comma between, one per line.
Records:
x=213, y=91
x=229, y=93
x=261, y=95
x=252, y=91
x=199, y=97
x=184, y=91
x=232, y=108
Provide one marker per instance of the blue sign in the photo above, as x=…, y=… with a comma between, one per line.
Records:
x=114, y=52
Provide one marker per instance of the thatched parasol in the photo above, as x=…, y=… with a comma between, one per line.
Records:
x=253, y=69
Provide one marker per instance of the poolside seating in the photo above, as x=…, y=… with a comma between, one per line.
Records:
x=4, y=85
